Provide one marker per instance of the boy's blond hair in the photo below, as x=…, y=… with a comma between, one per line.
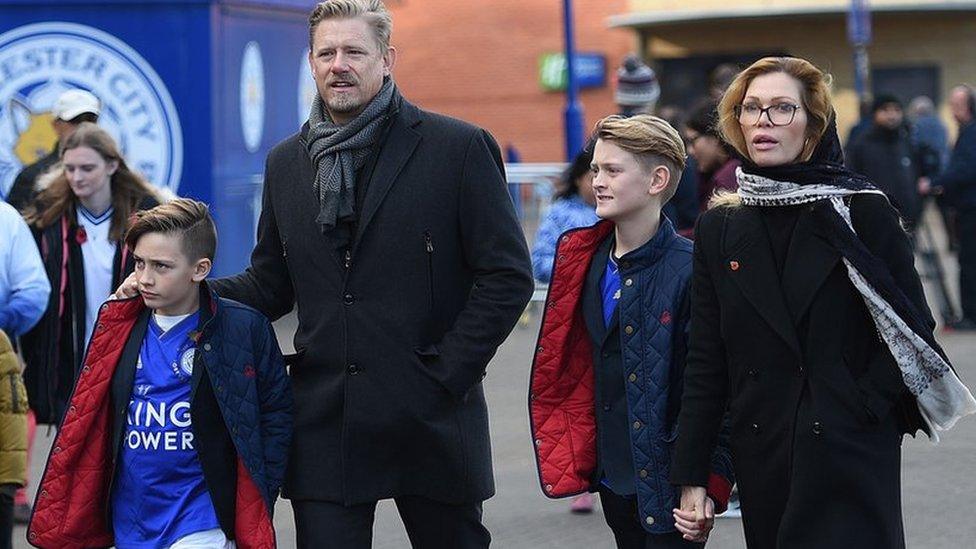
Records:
x=651, y=139
x=185, y=217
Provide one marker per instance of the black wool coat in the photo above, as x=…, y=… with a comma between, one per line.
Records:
x=816, y=404
x=395, y=331
x=894, y=163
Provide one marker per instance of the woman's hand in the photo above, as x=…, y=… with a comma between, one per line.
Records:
x=696, y=517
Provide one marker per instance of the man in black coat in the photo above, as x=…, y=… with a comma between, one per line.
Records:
x=886, y=154
x=393, y=230
x=958, y=184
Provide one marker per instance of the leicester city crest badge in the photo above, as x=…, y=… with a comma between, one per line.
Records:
x=186, y=361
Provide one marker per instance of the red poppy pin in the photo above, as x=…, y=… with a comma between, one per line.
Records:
x=81, y=236
x=249, y=371
x=734, y=265
x=666, y=317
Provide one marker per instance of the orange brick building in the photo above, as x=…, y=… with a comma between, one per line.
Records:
x=479, y=60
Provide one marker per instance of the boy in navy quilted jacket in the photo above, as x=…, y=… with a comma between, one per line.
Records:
x=178, y=430
x=607, y=375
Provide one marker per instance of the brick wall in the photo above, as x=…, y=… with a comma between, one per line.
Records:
x=478, y=60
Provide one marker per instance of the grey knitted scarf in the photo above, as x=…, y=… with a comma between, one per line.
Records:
x=339, y=151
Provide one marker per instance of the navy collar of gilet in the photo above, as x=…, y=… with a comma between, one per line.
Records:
x=651, y=251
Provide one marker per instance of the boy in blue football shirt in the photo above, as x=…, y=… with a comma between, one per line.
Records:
x=177, y=433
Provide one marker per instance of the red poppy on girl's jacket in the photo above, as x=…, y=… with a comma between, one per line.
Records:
x=81, y=235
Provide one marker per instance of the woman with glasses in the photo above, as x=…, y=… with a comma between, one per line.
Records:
x=810, y=326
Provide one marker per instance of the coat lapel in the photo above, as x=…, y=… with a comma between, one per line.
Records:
x=398, y=147
x=809, y=261
x=749, y=262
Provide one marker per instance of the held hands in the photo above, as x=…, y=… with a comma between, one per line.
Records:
x=696, y=517
x=925, y=186
x=128, y=288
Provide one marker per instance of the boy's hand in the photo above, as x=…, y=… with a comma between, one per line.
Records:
x=696, y=517
x=128, y=288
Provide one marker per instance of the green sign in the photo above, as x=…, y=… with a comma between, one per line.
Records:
x=591, y=69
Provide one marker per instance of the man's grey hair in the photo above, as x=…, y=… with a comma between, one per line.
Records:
x=921, y=106
x=373, y=11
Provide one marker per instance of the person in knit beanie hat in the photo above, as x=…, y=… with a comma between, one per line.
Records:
x=637, y=87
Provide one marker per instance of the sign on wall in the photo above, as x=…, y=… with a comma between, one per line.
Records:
x=40, y=61
x=591, y=71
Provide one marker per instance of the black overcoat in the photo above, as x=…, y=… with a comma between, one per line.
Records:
x=816, y=402
x=395, y=335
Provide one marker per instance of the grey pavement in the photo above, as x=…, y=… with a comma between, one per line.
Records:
x=939, y=482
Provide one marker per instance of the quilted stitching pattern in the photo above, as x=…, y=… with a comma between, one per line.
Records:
x=647, y=354
x=561, y=394
x=76, y=474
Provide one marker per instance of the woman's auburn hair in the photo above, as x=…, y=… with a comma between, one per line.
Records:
x=129, y=189
x=815, y=95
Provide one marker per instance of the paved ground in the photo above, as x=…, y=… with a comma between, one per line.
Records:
x=939, y=483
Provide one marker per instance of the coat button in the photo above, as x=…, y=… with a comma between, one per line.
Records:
x=649, y=521
x=104, y=307
x=817, y=428
x=538, y=442
x=632, y=378
x=348, y=299
x=606, y=407
x=629, y=329
x=353, y=369
x=629, y=282
x=643, y=473
x=207, y=347
x=57, y=449
x=755, y=428
x=637, y=425
x=753, y=373
x=548, y=487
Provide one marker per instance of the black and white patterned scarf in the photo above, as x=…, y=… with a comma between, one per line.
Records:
x=942, y=398
x=339, y=151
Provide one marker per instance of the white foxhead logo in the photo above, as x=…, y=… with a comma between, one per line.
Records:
x=40, y=61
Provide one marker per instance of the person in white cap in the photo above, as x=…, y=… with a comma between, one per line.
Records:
x=70, y=109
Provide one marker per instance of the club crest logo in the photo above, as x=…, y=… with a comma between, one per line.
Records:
x=252, y=96
x=40, y=61
x=306, y=89
x=186, y=361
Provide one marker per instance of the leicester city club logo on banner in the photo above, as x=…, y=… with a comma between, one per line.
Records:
x=40, y=61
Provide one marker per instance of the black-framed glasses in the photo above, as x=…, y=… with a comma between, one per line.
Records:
x=780, y=114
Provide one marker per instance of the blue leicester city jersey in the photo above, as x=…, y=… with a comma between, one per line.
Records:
x=159, y=493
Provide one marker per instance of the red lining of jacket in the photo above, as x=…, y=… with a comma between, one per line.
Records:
x=561, y=402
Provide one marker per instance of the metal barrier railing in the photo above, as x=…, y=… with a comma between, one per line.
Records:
x=532, y=186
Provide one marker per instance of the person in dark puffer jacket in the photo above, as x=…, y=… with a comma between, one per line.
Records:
x=178, y=430
x=607, y=377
